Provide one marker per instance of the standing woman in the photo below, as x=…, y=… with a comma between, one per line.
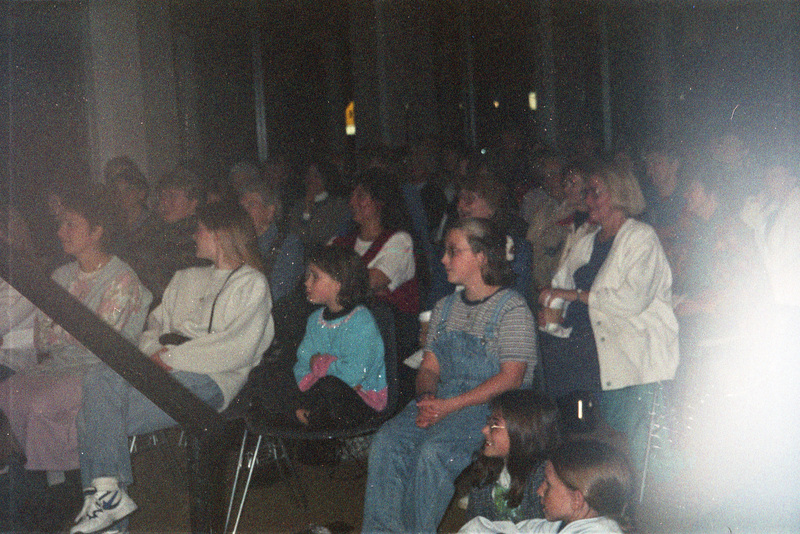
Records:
x=210, y=330
x=618, y=288
x=482, y=342
x=42, y=402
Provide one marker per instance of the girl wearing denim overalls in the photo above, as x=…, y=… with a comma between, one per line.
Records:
x=482, y=343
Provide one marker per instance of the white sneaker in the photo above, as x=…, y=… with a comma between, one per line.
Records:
x=103, y=505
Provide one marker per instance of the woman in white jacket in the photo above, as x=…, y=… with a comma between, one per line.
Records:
x=210, y=330
x=616, y=284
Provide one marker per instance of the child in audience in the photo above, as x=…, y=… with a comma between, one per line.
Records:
x=340, y=367
x=521, y=433
x=585, y=491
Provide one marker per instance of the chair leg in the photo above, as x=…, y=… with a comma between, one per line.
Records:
x=252, y=467
x=296, y=484
x=206, y=455
x=236, y=480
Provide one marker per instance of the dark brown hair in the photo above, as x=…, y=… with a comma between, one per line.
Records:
x=533, y=434
x=93, y=202
x=600, y=472
x=345, y=266
x=383, y=187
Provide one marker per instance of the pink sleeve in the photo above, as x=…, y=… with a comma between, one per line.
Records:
x=319, y=369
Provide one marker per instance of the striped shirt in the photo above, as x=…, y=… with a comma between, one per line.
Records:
x=515, y=339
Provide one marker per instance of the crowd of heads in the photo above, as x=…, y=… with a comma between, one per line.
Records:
x=485, y=191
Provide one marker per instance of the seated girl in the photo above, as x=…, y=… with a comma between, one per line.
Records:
x=210, y=330
x=481, y=344
x=42, y=402
x=585, y=491
x=520, y=434
x=340, y=367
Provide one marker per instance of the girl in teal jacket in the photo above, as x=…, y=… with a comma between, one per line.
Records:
x=340, y=367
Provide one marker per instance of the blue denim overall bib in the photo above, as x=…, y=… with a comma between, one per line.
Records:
x=412, y=469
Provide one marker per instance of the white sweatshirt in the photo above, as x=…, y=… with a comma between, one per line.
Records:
x=241, y=331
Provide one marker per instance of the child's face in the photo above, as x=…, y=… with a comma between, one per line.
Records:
x=463, y=266
x=557, y=499
x=321, y=288
x=497, y=444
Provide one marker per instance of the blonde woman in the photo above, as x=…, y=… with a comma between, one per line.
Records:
x=209, y=331
x=623, y=334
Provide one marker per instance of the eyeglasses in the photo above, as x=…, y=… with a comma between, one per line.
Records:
x=494, y=424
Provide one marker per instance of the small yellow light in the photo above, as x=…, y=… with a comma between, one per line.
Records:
x=532, y=103
x=496, y=104
x=350, y=119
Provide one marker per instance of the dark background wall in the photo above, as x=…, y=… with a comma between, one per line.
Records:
x=684, y=65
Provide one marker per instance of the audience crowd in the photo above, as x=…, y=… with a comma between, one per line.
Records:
x=554, y=296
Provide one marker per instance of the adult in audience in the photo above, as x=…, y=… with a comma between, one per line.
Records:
x=209, y=331
x=131, y=190
x=578, y=224
x=279, y=174
x=483, y=195
x=323, y=214
x=42, y=402
x=552, y=226
x=168, y=246
x=622, y=335
x=387, y=249
x=241, y=173
x=720, y=283
x=282, y=256
x=664, y=190
x=281, y=250
x=774, y=217
x=482, y=343
x=545, y=192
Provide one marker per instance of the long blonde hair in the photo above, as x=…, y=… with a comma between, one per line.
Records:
x=234, y=230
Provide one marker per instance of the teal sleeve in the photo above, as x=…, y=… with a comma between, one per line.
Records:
x=308, y=347
x=359, y=352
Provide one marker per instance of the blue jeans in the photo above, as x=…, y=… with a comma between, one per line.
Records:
x=630, y=411
x=412, y=470
x=113, y=410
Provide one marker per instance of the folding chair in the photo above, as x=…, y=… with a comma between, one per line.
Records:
x=275, y=436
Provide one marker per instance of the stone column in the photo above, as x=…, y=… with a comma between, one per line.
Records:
x=131, y=102
x=393, y=81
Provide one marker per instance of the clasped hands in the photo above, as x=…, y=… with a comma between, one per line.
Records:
x=432, y=410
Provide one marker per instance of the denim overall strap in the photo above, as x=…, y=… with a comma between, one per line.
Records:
x=492, y=324
x=446, y=308
x=467, y=360
x=411, y=469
